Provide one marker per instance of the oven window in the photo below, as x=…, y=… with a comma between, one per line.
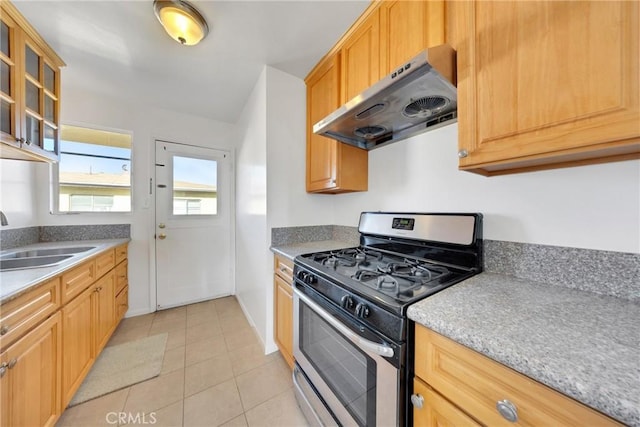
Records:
x=349, y=372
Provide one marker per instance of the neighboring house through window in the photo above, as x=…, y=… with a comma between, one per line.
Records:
x=94, y=171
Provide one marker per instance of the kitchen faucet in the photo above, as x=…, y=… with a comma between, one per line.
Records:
x=3, y=219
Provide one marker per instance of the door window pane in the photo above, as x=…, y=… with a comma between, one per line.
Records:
x=5, y=116
x=33, y=97
x=5, y=78
x=195, y=186
x=4, y=40
x=31, y=61
x=33, y=130
x=49, y=78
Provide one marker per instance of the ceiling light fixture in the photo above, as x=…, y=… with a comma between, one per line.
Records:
x=181, y=21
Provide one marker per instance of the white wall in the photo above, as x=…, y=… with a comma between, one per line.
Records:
x=18, y=199
x=593, y=207
x=288, y=202
x=147, y=124
x=252, y=257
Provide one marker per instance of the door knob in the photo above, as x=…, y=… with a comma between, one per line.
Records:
x=161, y=225
x=162, y=236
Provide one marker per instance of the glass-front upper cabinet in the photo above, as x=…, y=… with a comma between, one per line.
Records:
x=41, y=100
x=30, y=91
x=8, y=97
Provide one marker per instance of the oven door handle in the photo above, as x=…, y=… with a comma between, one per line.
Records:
x=371, y=346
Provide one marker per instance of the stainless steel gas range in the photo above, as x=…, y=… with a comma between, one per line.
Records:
x=352, y=342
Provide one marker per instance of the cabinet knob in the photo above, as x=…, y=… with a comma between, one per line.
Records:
x=508, y=410
x=463, y=153
x=4, y=329
x=3, y=369
x=417, y=401
x=12, y=363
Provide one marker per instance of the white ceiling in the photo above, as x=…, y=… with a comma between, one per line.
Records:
x=119, y=48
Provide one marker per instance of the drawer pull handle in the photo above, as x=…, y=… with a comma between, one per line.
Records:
x=508, y=410
x=4, y=329
x=417, y=401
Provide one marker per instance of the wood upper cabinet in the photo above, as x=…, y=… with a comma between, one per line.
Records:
x=360, y=57
x=475, y=385
x=29, y=91
x=408, y=27
x=546, y=84
x=30, y=377
x=332, y=167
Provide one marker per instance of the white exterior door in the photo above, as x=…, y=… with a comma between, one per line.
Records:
x=193, y=224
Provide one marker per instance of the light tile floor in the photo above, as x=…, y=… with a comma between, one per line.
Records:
x=214, y=373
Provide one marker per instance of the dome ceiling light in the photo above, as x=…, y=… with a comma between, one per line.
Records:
x=181, y=21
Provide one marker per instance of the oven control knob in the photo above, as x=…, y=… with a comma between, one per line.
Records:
x=307, y=278
x=346, y=302
x=362, y=310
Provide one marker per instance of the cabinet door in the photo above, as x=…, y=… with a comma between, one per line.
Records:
x=105, y=317
x=9, y=98
x=332, y=167
x=284, y=318
x=547, y=84
x=361, y=58
x=41, y=89
x=77, y=343
x=406, y=28
x=30, y=386
x=323, y=93
x=436, y=410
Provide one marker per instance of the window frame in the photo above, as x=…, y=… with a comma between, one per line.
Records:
x=54, y=176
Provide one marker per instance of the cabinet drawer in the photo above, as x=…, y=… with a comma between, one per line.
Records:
x=284, y=268
x=122, y=303
x=476, y=384
x=77, y=280
x=105, y=262
x=122, y=276
x=23, y=313
x=121, y=253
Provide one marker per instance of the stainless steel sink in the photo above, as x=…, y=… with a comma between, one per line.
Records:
x=22, y=263
x=46, y=252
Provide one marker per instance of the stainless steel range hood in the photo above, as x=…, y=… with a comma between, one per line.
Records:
x=418, y=96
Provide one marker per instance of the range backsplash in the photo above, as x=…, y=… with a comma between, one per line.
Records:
x=17, y=237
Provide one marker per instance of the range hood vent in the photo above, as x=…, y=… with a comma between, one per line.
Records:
x=418, y=96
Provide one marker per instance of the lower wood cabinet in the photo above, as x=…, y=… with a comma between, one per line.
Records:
x=30, y=377
x=283, y=307
x=51, y=336
x=431, y=409
x=78, y=343
x=468, y=388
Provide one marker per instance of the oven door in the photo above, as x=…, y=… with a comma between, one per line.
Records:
x=345, y=363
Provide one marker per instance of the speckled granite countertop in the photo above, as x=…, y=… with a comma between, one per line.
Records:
x=293, y=250
x=584, y=345
x=15, y=282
